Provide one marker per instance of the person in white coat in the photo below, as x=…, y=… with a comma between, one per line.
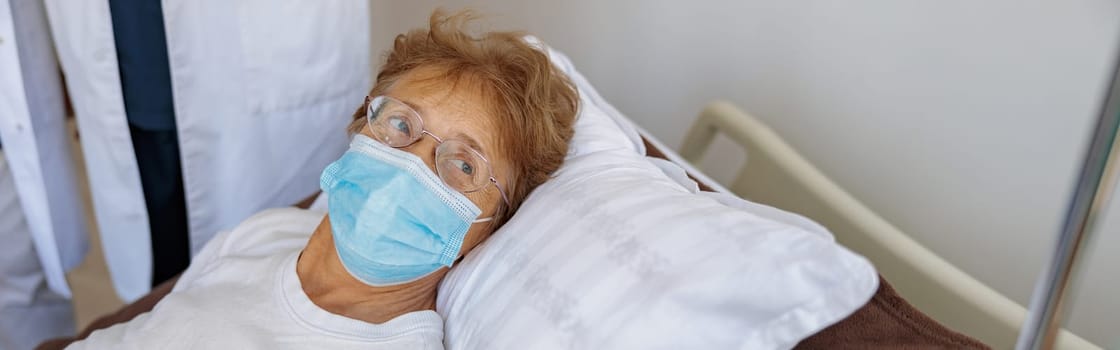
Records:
x=42, y=228
x=256, y=91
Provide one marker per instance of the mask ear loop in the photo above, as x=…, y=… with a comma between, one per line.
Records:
x=486, y=219
x=505, y=201
x=490, y=218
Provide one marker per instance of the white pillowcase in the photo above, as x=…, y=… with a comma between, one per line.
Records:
x=613, y=253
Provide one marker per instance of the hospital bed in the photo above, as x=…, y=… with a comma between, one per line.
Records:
x=775, y=174
x=919, y=302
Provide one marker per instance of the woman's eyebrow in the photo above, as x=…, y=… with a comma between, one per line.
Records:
x=471, y=142
x=415, y=107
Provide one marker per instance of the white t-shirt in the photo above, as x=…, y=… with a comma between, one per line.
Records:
x=242, y=292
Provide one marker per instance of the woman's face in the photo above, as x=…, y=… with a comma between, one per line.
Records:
x=459, y=114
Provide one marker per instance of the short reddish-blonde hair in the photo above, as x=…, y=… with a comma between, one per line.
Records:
x=534, y=104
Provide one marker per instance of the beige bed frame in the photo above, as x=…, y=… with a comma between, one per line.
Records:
x=775, y=174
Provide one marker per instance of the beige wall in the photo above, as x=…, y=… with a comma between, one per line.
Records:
x=962, y=122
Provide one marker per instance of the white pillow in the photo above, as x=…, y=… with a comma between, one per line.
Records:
x=613, y=253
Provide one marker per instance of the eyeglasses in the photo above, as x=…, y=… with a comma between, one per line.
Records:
x=459, y=165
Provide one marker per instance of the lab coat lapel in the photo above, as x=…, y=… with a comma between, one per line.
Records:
x=83, y=36
x=32, y=124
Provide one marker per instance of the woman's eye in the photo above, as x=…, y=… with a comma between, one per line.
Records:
x=463, y=166
x=399, y=124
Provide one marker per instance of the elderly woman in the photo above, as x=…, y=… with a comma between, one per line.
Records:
x=454, y=135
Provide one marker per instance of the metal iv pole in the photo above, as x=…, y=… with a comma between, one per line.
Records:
x=1094, y=187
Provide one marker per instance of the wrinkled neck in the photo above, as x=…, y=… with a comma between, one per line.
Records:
x=327, y=283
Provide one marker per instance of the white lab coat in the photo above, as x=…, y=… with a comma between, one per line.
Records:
x=34, y=137
x=263, y=91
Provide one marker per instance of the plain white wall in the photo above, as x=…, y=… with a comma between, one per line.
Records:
x=962, y=122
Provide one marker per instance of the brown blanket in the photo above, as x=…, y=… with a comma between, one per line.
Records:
x=888, y=322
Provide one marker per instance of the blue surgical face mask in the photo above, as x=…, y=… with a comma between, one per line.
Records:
x=393, y=220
